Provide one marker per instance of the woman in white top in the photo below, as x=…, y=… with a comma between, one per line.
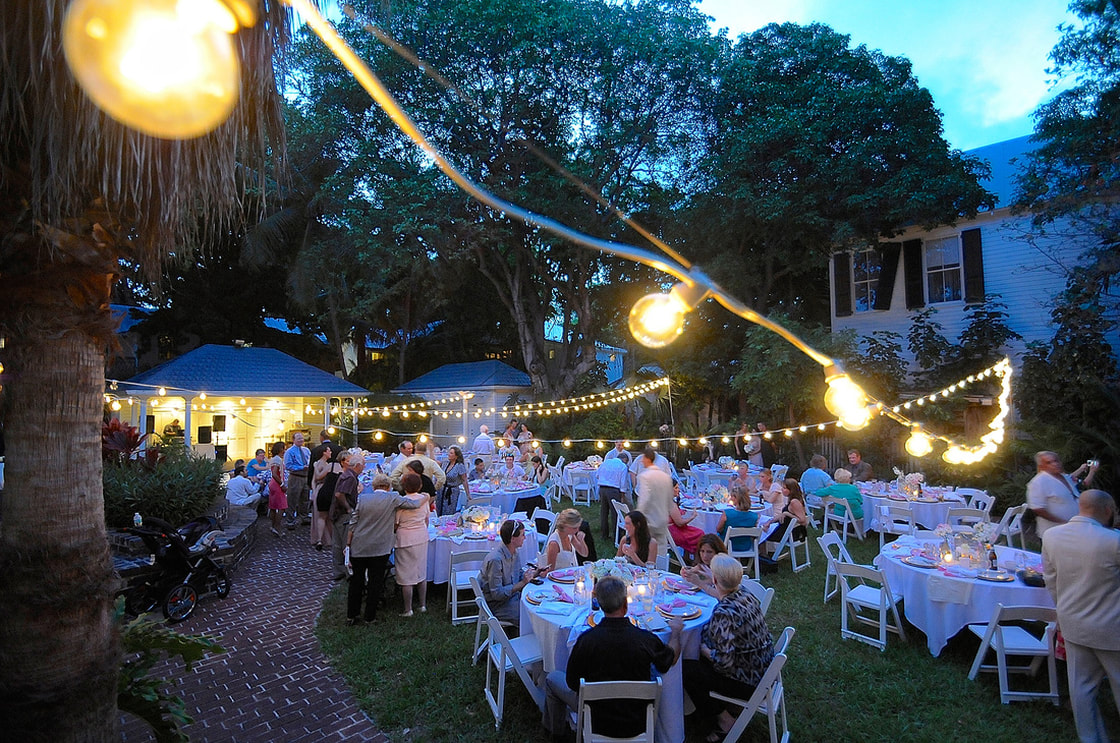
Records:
x=771, y=491
x=566, y=543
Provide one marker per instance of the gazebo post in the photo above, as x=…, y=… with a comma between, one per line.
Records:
x=466, y=421
x=326, y=412
x=187, y=404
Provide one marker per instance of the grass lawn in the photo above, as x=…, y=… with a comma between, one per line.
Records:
x=414, y=677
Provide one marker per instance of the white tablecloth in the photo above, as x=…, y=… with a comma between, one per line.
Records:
x=580, y=469
x=926, y=515
x=940, y=620
x=440, y=550
x=504, y=500
x=553, y=632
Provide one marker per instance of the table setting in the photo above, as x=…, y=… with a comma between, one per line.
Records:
x=930, y=504
x=453, y=533
x=503, y=492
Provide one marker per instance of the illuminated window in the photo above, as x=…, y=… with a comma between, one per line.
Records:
x=943, y=270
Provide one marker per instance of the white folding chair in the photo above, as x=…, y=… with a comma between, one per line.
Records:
x=482, y=643
x=648, y=691
x=813, y=504
x=967, y=495
x=755, y=533
x=542, y=535
x=834, y=551
x=895, y=519
x=464, y=566
x=662, y=561
x=779, y=471
x=675, y=553
x=1012, y=639
x=583, y=487
x=787, y=547
x=1012, y=524
x=768, y=698
x=518, y=516
x=983, y=501
x=552, y=491
x=505, y=655
x=688, y=481
x=479, y=500
x=866, y=598
x=838, y=513
x=761, y=593
x=620, y=510
x=963, y=519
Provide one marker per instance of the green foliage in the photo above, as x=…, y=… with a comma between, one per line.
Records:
x=176, y=489
x=880, y=367
x=120, y=440
x=146, y=642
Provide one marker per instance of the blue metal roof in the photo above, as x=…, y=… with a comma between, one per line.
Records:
x=473, y=375
x=256, y=372
x=1000, y=156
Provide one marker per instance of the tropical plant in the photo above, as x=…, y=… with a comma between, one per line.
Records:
x=120, y=441
x=177, y=488
x=79, y=196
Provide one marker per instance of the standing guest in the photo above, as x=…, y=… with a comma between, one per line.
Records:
x=815, y=478
x=767, y=448
x=566, y=542
x=404, y=451
x=740, y=515
x=430, y=466
x=859, y=469
x=427, y=487
x=241, y=491
x=735, y=648
x=512, y=430
x=618, y=452
x=324, y=476
x=483, y=445
x=614, y=483
x=277, y=498
x=456, y=489
x=659, y=461
x=258, y=467
x=325, y=443
x=753, y=450
x=1081, y=566
x=173, y=429
x=524, y=438
x=479, y=471
x=699, y=573
x=843, y=488
x=742, y=441
x=297, y=462
x=412, y=545
x=638, y=547
x=369, y=542
x=684, y=535
x=655, y=494
x=502, y=577
x=613, y=650
x=1052, y=494
x=341, y=509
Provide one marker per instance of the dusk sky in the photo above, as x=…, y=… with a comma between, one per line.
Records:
x=984, y=61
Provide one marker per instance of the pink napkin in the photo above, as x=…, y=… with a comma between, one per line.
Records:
x=565, y=573
x=678, y=584
x=562, y=595
x=670, y=605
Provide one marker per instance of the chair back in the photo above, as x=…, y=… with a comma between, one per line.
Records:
x=542, y=515
x=895, y=519
x=962, y=518
x=983, y=501
x=834, y=548
x=674, y=553
x=751, y=553
x=783, y=640
x=761, y=593
x=779, y=471
x=864, y=574
x=764, y=691
x=468, y=559
x=559, y=464
x=1012, y=524
x=647, y=691
x=968, y=494
x=479, y=500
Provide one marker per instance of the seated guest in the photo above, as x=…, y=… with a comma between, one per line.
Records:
x=740, y=515
x=638, y=546
x=793, y=514
x=699, y=573
x=613, y=650
x=589, y=540
x=861, y=470
x=479, y=471
x=510, y=468
x=771, y=491
x=684, y=535
x=538, y=472
x=843, y=488
x=258, y=467
x=735, y=648
x=502, y=577
x=566, y=544
x=815, y=478
x=241, y=491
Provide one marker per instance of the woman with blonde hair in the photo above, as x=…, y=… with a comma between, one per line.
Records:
x=739, y=516
x=566, y=544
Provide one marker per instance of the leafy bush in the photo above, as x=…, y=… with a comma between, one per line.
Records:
x=176, y=488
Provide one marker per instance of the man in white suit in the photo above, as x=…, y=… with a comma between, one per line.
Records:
x=1081, y=563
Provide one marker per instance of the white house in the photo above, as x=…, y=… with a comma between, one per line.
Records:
x=948, y=268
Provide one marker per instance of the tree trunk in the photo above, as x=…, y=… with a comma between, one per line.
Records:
x=59, y=642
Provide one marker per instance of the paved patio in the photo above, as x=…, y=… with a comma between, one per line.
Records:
x=274, y=683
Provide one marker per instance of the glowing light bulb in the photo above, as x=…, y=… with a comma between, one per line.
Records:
x=725, y=440
x=626, y=444
x=855, y=419
x=919, y=444
x=682, y=442
x=162, y=391
x=703, y=442
x=462, y=439
x=844, y=396
x=600, y=445
x=501, y=443
x=331, y=430
x=789, y=433
x=378, y=436
x=201, y=395
x=657, y=319
x=567, y=443
x=116, y=405
x=653, y=443
x=423, y=439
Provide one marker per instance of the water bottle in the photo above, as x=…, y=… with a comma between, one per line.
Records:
x=137, y=520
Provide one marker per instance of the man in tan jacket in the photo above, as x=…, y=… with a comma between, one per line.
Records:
x=431, y=468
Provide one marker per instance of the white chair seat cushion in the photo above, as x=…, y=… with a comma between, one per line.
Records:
x=866, y=596
x=1015, y=640
x=528, y=649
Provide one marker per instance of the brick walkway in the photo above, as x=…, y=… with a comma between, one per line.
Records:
x=273, y=683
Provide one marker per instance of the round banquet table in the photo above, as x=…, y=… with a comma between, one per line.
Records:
x=583, y=469
x=557, y=633
x=927, y=514
x=941, y=605
x=707, y=517
x=440, y=549
x=502, y=499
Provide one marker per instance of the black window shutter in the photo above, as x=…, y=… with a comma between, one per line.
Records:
x=889, y=267
x=842, y=281
x=973, y=266
x=914, y=274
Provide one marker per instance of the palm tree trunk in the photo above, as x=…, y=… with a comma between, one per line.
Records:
x=59, y=641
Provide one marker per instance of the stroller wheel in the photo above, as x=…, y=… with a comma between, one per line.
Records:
x=180, y=602
x=221, y=583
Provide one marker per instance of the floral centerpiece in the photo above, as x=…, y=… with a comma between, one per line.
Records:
x=985, y=532
x=910, y=484
x=617, y=567
x=728, y=463
x=477, y=516
x=716, y=494
x=594, y=460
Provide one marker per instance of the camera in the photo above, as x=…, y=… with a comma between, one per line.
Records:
x=1094, y=463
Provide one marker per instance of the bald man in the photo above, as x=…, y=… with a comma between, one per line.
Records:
x=1081, y=564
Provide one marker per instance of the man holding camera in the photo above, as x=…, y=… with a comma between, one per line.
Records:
x=1052, y=494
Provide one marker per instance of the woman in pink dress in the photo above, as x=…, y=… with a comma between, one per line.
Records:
x=684, y=536
x=412, y=545
x=277, y=498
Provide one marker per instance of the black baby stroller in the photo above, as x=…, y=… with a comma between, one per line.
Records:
x=184, y=564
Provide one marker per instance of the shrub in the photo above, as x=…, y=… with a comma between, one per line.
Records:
x=176, y=488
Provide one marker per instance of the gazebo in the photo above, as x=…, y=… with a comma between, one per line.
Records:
x=232, y=400
x=491, y=383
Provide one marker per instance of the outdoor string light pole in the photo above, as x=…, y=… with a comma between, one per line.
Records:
x=169, y=68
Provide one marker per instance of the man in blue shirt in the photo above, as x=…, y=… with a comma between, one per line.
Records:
x=296, y=463
x=815, y=478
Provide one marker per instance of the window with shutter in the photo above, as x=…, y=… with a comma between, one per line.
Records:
x=884, y=292
x=914, y=276
x=866, y=265
x=943, y=270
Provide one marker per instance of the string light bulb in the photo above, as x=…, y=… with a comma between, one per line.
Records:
x=168, y=68
x=657, y=319
x=919, y=443
x=845, y=399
